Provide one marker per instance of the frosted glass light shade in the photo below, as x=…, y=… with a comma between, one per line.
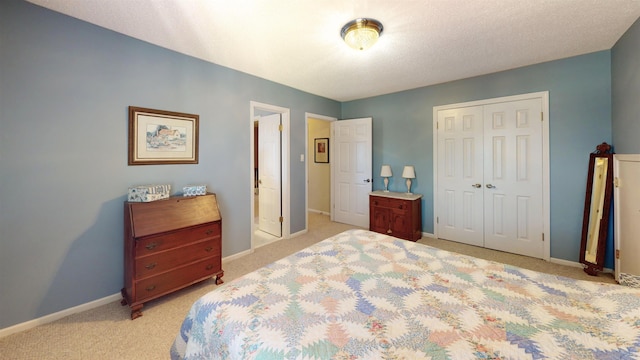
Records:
x=409, y=172
x=385, y=171
x=361, y=34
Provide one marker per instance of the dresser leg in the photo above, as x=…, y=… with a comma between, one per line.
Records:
x=136, y=312
x=219, y=279
x=123, y=302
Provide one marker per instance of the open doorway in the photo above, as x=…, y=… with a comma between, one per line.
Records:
x=318, y=165
x=269, y=176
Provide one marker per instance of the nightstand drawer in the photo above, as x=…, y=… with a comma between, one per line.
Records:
x=167, y=260
x=380, y=201
x=156, y=243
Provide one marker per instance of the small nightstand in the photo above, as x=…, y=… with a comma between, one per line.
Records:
x=396, y=214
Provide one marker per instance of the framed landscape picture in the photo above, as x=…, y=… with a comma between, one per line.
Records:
x=159, y=137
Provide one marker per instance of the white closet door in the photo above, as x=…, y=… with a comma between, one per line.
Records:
x=626, y=193
x=460, y=190
x=490, y=175
x=513, y=177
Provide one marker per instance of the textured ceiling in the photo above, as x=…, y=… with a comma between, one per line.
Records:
x=424, y=42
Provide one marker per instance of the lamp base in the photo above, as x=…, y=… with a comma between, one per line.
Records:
x=409, y=186
x=386, y=185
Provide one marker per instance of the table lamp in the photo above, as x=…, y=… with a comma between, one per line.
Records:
x=409, y=173
x=385, y=172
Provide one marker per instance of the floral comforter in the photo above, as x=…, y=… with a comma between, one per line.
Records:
x=363, y=295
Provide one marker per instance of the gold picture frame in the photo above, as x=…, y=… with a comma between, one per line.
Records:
x=158, y=137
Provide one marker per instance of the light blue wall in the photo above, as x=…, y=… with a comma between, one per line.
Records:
x=64, y=91
x=580, y=111
x=625, y=78
x=65, y=88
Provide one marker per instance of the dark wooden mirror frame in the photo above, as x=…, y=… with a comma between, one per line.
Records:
x=592, y=267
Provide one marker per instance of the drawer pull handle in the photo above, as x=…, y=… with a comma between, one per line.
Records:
x=208, y=248
x=150, y=266
x=151, y=288
x=400, y=207
x=209, y=267
x=209, y=232
x=151, y=246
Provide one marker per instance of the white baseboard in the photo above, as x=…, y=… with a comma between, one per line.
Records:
x=319, y=212
x=58, y=315
x=82, y=307
x=575, y=264
x=236, y=256
x=296, y=234
x=565, y=262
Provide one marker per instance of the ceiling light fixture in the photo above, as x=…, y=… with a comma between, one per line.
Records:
x=362, y=33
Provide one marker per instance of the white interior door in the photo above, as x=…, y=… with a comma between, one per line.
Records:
x=513, y=177
x=460, y=181
x=490, y=176
x=351, y=159
x=626, y=172
x=269, y=175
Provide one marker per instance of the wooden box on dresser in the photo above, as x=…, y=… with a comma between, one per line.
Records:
x=169, y=244
x=396, y=214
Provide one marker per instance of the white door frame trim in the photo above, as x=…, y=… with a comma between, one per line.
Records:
x=254, y=106
x=546, y=197
x=307, y=116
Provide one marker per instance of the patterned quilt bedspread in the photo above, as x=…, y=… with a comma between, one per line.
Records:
x=363, y=295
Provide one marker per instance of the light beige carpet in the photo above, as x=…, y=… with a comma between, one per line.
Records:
x=107, y=332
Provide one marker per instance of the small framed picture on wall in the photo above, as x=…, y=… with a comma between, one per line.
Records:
x=321, y=150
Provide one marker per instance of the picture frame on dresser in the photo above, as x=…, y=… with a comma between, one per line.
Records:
x=159, y=137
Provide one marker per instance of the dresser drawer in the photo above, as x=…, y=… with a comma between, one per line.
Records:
x=181, y=277
x=166, y=260
x=156, y=243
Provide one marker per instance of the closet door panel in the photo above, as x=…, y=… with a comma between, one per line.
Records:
x=513, y=177
x=460, y=195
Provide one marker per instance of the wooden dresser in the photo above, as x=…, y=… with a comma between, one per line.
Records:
x=168, y=245
x=396, y=214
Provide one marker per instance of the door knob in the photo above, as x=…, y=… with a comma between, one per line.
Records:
x=489, y=186
x=477, y=186
x=367, y=180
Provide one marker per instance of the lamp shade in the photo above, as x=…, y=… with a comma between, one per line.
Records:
x=386, y=171
x=409, y=172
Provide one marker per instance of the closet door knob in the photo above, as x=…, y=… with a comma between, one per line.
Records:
x=477, y=186
x=489, y=186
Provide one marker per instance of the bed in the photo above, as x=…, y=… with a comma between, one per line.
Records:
x=364, y=295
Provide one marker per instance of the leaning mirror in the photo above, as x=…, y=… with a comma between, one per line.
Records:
x=597, y=203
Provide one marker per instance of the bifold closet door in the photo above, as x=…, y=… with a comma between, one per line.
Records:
x=490, y=176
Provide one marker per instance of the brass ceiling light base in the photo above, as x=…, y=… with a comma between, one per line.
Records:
x=362, y=33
